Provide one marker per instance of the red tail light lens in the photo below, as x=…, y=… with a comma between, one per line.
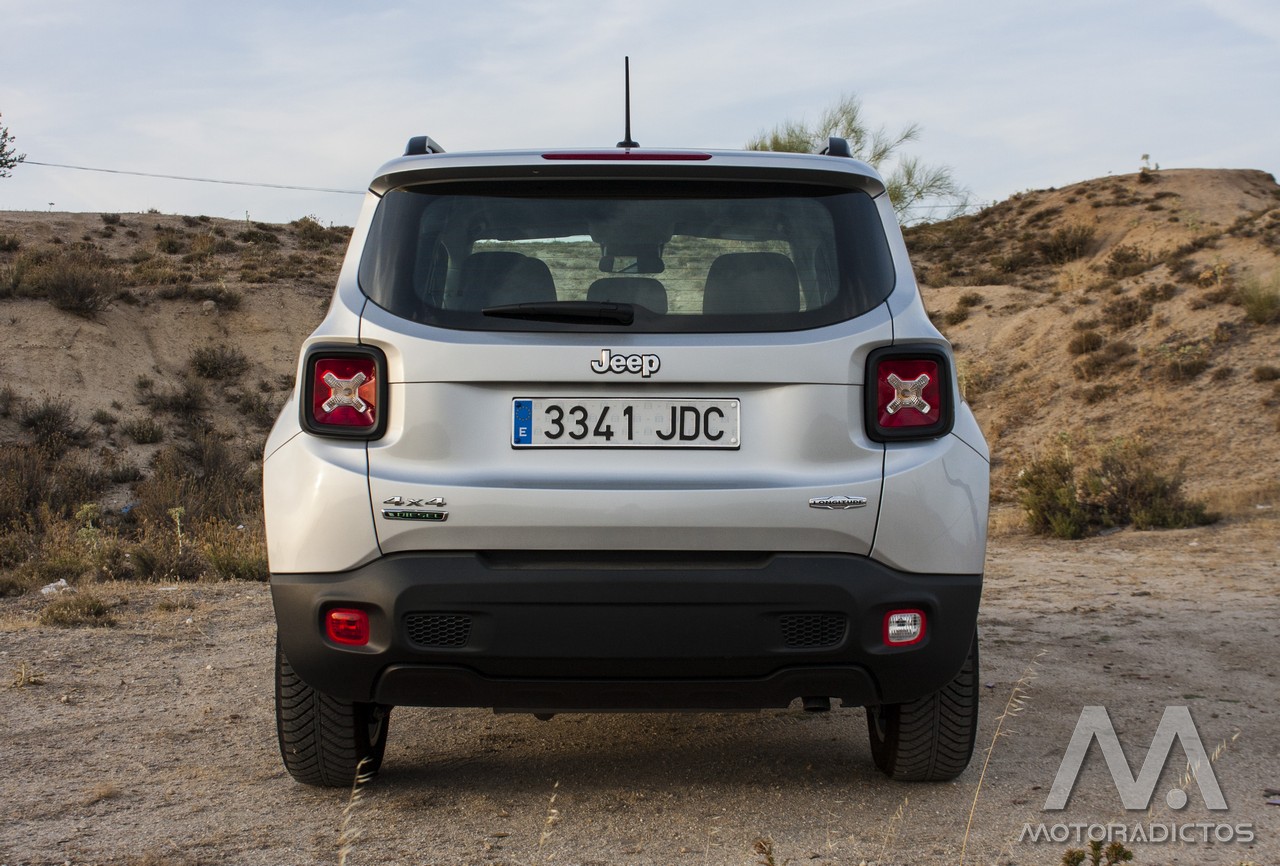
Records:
x=908, y=394
x=348, y=626
x=345, y=392
x=624, y=155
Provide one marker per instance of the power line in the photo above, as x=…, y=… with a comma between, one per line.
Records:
x=197, y=179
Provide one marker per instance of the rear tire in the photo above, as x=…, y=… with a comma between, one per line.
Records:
x=325, y=741
x=930, y=739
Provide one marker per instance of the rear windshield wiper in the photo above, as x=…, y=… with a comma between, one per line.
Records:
x=568, y=312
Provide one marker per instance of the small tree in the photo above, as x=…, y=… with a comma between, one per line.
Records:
x=912, y=184
x=8, y=156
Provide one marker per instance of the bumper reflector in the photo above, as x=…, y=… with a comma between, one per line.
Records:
x=346, y=625
x=903, y=627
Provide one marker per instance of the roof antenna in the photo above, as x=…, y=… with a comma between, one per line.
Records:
x=628, y=141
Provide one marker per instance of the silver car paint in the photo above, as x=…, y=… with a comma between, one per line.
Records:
x=448, y=437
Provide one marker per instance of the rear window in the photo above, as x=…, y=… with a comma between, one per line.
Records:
x=647, y=256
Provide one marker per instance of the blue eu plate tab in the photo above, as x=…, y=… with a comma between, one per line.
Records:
x=522, y=431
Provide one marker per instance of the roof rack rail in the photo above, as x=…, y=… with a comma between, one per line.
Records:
x=837, y=146
x=421, y=144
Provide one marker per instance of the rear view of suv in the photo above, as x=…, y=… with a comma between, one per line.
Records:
x=626, y=429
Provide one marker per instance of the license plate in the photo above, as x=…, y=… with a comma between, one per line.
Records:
x=588, y=422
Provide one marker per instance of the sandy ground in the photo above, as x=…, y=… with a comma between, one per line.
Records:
x=153, y=741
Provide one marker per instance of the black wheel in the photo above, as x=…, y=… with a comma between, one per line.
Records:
x=325, y=741
x=930, y=739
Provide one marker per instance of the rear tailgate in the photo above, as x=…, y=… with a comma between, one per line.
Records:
x=455, y=472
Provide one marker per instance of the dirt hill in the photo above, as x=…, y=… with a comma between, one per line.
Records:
x=1145, y=304
x=1118, y=306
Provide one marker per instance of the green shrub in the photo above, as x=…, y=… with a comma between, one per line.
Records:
x=1266, y=373
x=1067, y=244
x=163, y=555
x=160, y=272
x=187, y=401
x=144, y=431
x=1111, y=357
x=257, y=236
x=78, y=280
x=1125, y=312
x=219, y=362
x=1047, y=493
x=1085, y=342
x=233, y=552
x=1184, y=362
x=312, y=235
x=56, y=560
x=172, y=241
x=1162, y=292
x=1261, y=303
x=38, y=486
x=1128, y=260
x=1070, y=493
x=227, y=299
x=77, y=609
x=24, y=480
x=1096, y=394
x=53, y=424
x=204, y=477
x=254, y=407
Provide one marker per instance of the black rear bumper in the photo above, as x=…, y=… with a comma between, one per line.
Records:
x=552, y=631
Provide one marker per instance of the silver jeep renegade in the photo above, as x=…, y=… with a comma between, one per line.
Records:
x=626, y=429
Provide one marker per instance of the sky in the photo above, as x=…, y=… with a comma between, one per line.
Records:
x=1012, y=95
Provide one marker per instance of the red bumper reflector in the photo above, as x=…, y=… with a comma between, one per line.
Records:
x=346, y=625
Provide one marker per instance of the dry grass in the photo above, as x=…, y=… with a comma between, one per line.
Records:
x=1261, y=301
x=219, y=362
x=53, y=423
x=1262, y=499
x=101, y=791
x=78, y=279
x=1014, y=705
x=78, y=609
x=144, y=431
x=552, y=818
x=24, y=677
x=348, y=834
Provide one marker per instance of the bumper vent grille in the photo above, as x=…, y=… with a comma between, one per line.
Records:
x=438, y=629
x=812, y=630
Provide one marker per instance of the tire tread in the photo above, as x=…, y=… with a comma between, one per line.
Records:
x=322, y=739
x=930, y=739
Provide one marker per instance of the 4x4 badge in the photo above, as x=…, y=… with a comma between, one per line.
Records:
x=408, y=509
x=838, y=502
x=414, y=503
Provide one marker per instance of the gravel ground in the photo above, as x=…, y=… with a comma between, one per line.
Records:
x=153, y=741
